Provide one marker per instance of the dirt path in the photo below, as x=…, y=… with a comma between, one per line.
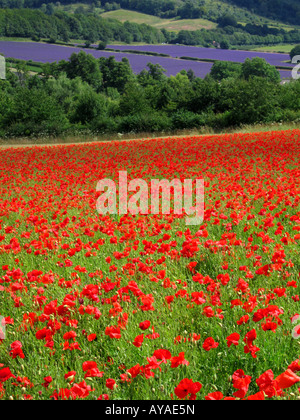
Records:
x=122, y=139
x=80, y=143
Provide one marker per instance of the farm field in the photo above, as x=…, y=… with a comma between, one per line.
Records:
x=237, y=56
x=145, y=307
x=281, y=49
x=43, y=53
x=174, y=25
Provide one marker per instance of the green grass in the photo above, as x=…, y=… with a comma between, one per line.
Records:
x=86, y=138
x=6, y=38
x=281, y=48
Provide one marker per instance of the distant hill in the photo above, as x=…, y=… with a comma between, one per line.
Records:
x=283, y=11
x=209, y=23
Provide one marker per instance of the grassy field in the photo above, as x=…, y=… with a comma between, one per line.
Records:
x=168, y=24
x=86, y=138
x=282, y=48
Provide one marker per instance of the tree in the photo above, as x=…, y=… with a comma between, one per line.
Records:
x=102, y=45
x=133, y=101
x=248, y=102
x=204, y=96
x=295, y=51
x=50, y=9
x=227, y=20
x=258, y=67
x=225, y=45
x=85, y=66
x=80, y=10
x=224, y=70
x=116, y=74
x=22, y=73
x=35, y=111
x=156, y=71
x=88, y=107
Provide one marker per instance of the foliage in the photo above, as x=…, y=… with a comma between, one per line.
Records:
x=63, y=26
x=103, y=95
x=295, y=51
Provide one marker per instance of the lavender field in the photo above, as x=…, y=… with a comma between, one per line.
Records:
x=48, y=53
x=44, y=53
x=279, y=60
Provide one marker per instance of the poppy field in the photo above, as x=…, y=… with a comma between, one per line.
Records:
x=125, y=307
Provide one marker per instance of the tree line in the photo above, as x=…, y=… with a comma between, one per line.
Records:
x=63, y=26
x=89, y=95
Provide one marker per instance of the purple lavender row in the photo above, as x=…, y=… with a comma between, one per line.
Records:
x=208, y=53
x=44, y=53
x=48, y=53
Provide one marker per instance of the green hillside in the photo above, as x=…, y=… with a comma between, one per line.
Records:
x=247, y=11
x=177, y=25
x=174, y=24
x=191, y=22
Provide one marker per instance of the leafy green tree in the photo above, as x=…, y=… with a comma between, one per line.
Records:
x=224, y=70
x=22, y=72
x=85, y=66
x=116, y=74
x=225, y=45
x=227, y=20
x=101, y=46
x=50, y=9
x=88, y=107
x=156, y=71
x=204, y=96
x=248, y=102
x=295, y=51
x=133, y=100
x=34, y=111
x=66, y=91
x=258, y=67
x=6, y=106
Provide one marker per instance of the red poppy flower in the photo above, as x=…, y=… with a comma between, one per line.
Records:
x=145, y=325
x=177, y=361
x=5, y=375
x=214, y=396
x=233, y=339
x=138, y=341
x=163, y=355
x=110, y=384
x=287, y=379
x=187, y=387
x=210, y=344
